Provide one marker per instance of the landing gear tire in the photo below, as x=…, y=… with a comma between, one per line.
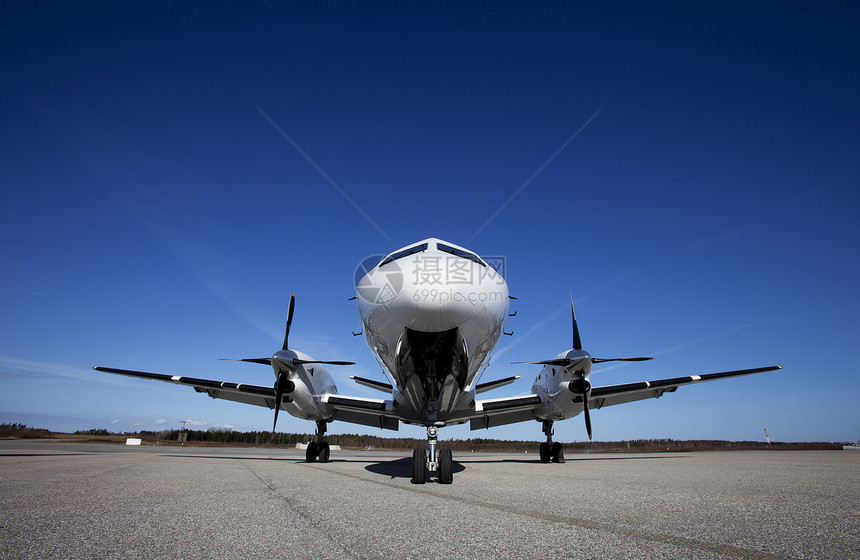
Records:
x=446, y=464
x=557, y=453
x=419, y=466
x=544, y=452
x=311, y=452
x=324, y=452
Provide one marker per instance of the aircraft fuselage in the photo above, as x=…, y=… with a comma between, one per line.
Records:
x=432, y=314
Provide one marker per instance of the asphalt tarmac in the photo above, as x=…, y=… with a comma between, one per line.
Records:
x=79, y=500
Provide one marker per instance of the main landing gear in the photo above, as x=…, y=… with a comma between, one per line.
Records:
x=439, y=459
x=549, y=450
x=318, y=447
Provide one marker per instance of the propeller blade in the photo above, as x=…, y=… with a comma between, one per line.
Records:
x=637, y=359
x=279, y=395
x=577, y=342
x=587, y=414
x=277, y=408
x=264, y=361
x=329, y=362
x=564, y=362
x=581, y=387
x=289, y=320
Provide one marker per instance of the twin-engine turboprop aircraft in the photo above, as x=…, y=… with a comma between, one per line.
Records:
x=432, y=313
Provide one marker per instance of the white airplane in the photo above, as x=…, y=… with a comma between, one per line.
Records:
x=432, y=313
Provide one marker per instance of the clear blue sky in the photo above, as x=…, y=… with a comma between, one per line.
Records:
x=153, y=218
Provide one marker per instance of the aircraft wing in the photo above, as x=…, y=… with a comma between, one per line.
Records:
x=239, y=392
x=507, y=410
x=498, y=412
x=629, y=392
x=367, y=412
x=356, y=410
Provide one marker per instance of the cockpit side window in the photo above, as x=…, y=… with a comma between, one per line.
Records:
x=460, y=253
x=404, y=253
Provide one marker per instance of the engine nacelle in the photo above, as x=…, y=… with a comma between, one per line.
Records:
x=304, y=380
x=565, y=374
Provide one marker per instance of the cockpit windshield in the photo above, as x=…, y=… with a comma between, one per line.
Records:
x=404, y=253
x=460, y=253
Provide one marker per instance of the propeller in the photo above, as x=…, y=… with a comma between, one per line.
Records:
x=285, y=365
x=283, y=381
x=581, y=385
x=285, y=361
x=573, y=358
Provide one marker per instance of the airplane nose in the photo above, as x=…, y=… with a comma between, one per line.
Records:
x=434, y=291
x=430, y=308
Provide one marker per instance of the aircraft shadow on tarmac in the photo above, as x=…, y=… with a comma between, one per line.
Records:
x=402, y=468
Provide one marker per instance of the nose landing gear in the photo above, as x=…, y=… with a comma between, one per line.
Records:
x=549, y=450
x=318, y=447
x=439, y=459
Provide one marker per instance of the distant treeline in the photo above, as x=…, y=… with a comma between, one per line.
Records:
x=22, y=430
x=357, y=441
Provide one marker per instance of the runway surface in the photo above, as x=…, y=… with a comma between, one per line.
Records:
x=77, y=500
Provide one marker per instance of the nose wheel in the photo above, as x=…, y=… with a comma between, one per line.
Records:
x=318, y=449
x=439, y=459
x=419, y=466
x=550, y=450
